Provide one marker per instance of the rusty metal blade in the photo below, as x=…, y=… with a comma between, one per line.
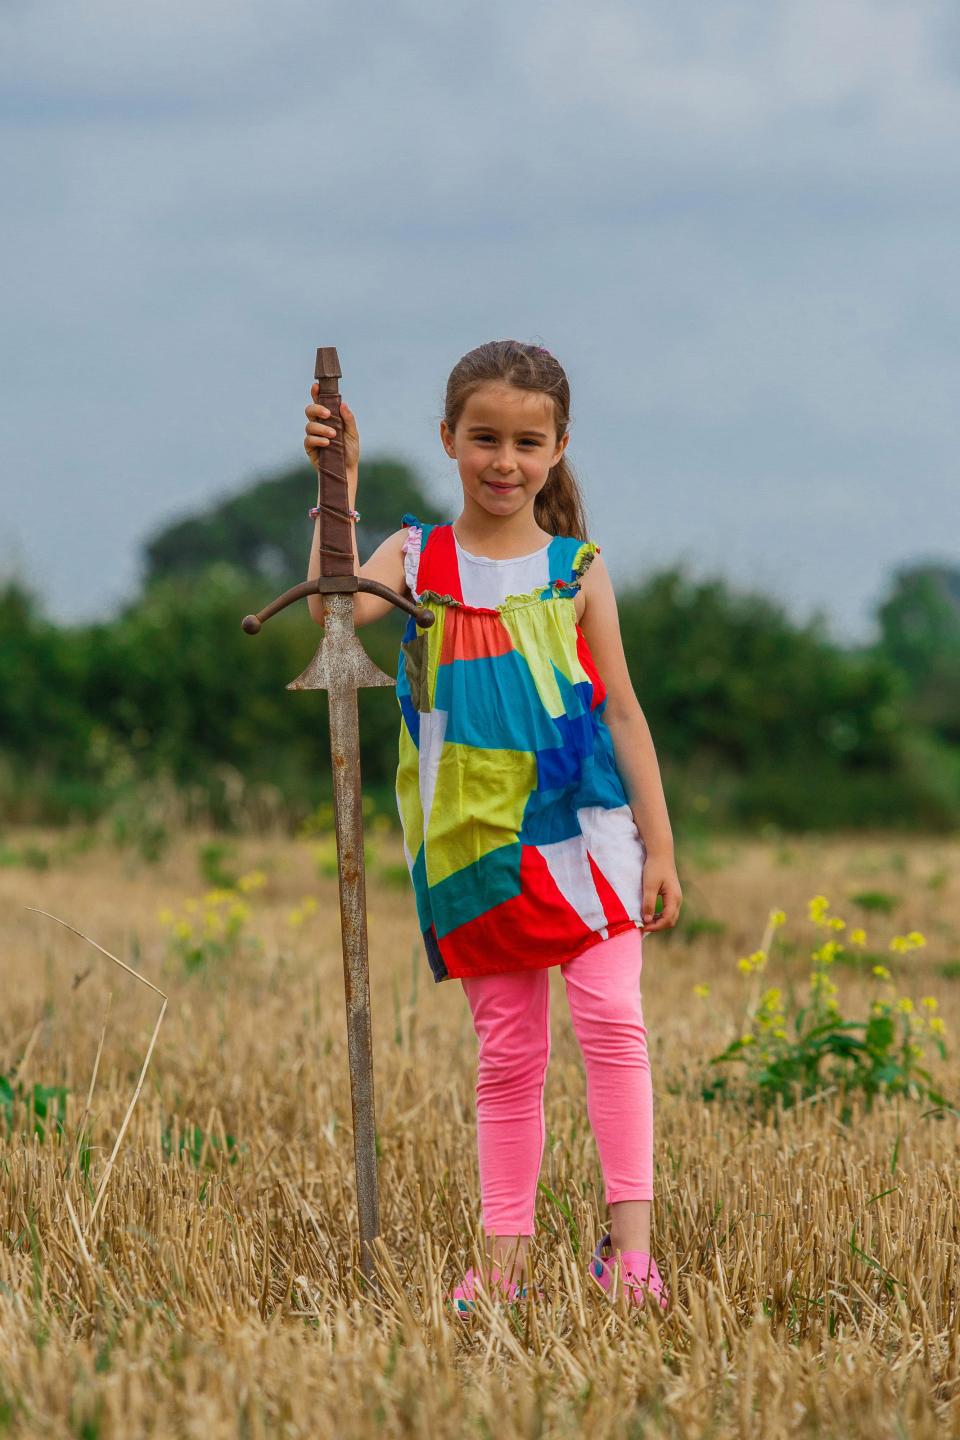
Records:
x=341, y=666
x=348, y=811
x=341, y=661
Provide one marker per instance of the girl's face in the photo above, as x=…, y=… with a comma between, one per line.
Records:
x=505, y=443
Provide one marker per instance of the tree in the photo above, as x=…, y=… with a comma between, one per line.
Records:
x=920, y=634
x=263, y=530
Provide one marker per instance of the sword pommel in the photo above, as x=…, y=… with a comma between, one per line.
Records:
x=328, y=366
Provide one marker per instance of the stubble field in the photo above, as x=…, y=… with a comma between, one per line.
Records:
x=813, y=1255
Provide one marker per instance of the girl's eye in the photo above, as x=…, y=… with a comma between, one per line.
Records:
x=482, y=438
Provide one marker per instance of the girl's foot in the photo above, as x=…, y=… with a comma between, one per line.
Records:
x=464, y=1297
x=638, y=1273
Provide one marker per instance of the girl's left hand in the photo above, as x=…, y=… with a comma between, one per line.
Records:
x=660, y=878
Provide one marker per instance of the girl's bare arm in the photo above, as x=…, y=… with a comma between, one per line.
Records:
x=632, y=741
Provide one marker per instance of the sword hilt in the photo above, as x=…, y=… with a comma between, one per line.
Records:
x=336, y=553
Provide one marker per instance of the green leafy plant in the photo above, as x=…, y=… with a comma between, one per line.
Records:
x=210, y=860
x=212, y=928
x=32, y=857
x=796, y=1050
x=191, y=1142
x=880, y=901
x=46, y=1105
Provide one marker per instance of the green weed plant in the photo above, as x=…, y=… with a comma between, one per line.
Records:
x=212, y=928
x=793, y=1047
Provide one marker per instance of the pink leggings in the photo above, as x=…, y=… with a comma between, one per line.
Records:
x=511, y=1015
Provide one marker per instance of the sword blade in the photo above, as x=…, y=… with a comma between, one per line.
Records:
x=340, y=666
x=348, y=811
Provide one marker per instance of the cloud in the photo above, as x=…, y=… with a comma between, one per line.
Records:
x=735, y=223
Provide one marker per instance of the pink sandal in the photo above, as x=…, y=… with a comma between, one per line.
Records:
x=464, y=1297
x=638, y=1272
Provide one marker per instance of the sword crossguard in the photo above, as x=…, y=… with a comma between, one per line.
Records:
x=337, y=585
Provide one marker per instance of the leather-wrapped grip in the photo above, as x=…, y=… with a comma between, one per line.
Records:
x=336, y=550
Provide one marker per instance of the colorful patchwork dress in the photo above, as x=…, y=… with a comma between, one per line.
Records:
x=519, y=839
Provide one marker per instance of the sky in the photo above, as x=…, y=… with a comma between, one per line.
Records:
x=735, y=224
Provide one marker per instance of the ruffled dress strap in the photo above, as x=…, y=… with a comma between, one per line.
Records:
x=569, y=560
x=417, y=535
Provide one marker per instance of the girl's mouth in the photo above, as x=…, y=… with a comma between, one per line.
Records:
x=500, y=489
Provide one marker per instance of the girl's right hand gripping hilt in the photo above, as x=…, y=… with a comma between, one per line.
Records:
x=337, y=574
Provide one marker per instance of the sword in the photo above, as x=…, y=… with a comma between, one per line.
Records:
x=341, y=666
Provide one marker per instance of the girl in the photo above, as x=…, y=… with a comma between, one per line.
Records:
x=534, y=821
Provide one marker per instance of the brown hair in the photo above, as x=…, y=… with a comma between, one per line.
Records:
x=559, y=507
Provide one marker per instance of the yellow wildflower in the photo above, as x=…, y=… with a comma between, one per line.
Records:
x=858, y=937
x=905, y=1003
x=744, y=965
x=817, y=908
x=777, y=917
x=217, y=897
x=295, y=917
x=702, y=990
x=165, y=916
x=253, y=880
x=881, y=972
x=913, y=941
x=928, y=1002
x=183, y=930
x=936, y=1026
